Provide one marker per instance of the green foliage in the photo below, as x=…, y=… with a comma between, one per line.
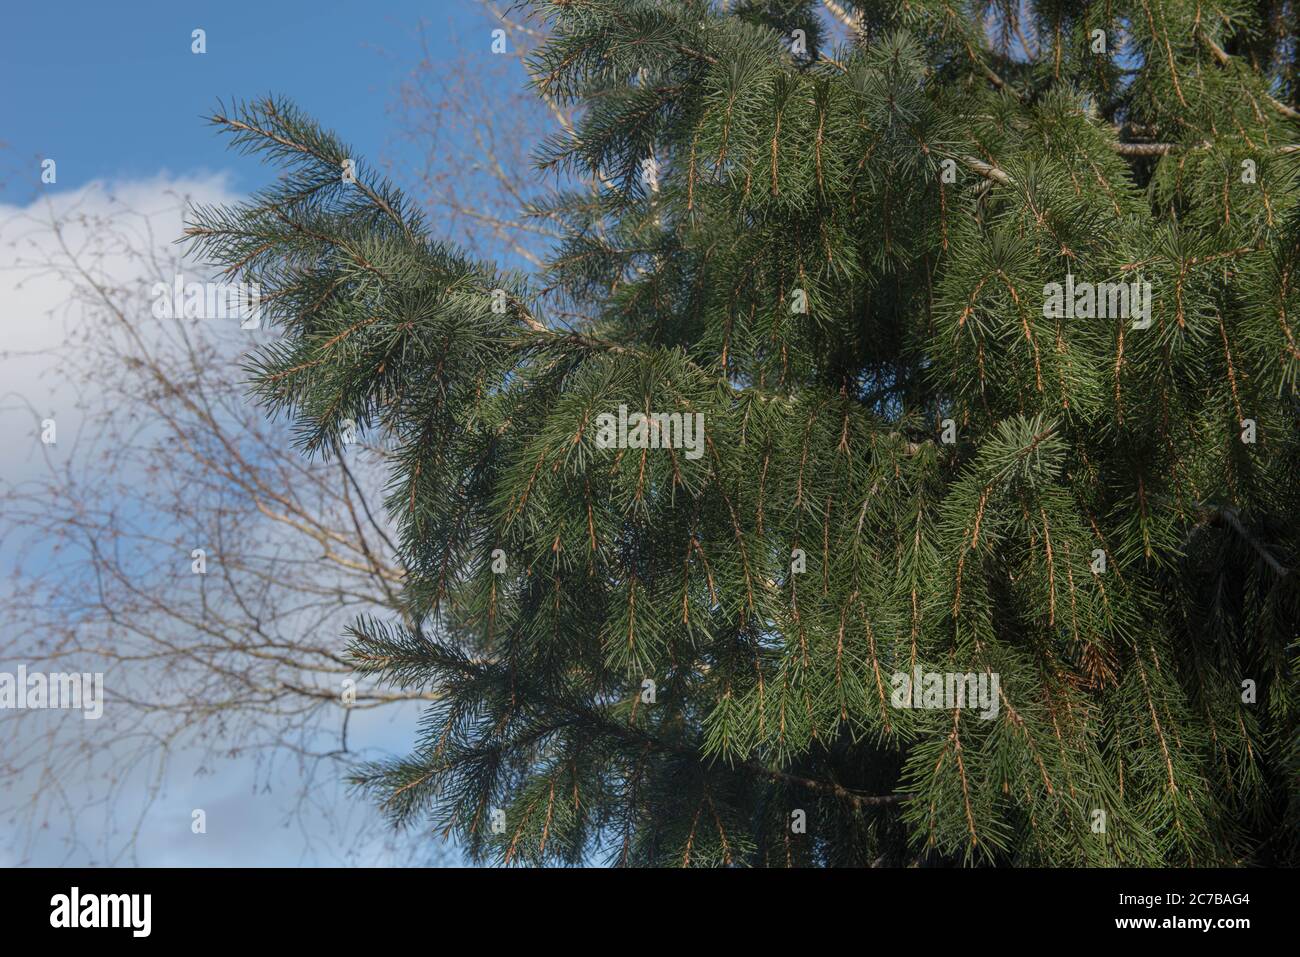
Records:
x=1097, y=534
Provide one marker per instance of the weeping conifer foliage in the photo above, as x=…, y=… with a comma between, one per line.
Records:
x=838, y=256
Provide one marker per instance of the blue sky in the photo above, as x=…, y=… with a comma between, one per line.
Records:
x=112, y=92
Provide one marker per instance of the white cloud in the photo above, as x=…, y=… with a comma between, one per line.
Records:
x=123, y=236
x=118, y=232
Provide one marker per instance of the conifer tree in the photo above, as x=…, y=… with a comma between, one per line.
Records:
x=991, y=314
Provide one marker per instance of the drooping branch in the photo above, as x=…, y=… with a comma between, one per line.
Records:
x=1226, y=60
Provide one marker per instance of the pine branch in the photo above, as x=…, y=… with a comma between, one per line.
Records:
x=1224, y=59
x=856, y=798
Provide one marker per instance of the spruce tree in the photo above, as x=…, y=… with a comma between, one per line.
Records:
x=933, y=442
